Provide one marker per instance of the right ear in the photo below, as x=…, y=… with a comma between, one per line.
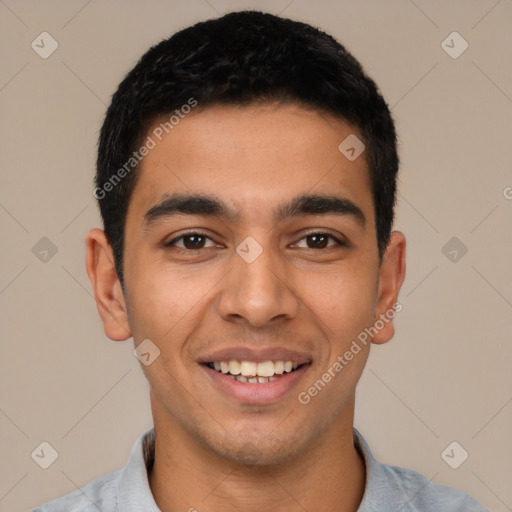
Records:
x=107, y=287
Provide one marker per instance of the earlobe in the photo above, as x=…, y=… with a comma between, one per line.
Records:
x=107, y=288
x=392, y=275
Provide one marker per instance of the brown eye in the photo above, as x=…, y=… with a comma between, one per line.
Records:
x=190, y=241
x=321, y=241
x=193, y=241
x=318, y=241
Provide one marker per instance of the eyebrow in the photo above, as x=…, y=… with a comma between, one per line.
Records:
x=210, y=206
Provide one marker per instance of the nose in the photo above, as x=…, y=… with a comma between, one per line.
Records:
x=258, y=292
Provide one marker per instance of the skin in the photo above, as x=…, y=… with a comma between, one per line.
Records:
x=213, y=452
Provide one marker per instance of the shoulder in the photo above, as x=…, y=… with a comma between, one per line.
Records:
x=419, y=494
x=99, y=494
x=125, y=489
x=391, y=488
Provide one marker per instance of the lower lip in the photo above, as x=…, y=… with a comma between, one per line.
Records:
x=264, y=393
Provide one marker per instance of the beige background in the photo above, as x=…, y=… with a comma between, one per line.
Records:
x=445, y=377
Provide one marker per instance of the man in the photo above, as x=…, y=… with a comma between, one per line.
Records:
x=246, y=178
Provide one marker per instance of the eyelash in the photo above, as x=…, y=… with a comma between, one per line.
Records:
x=191, y=233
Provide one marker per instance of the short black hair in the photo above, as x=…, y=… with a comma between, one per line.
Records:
x=241, y=58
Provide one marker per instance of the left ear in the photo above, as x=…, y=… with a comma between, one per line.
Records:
x=392, y=274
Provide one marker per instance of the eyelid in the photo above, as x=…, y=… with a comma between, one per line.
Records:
x=338, y=237
x=190, y=232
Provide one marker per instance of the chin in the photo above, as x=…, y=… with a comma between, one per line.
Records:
x=260, y=449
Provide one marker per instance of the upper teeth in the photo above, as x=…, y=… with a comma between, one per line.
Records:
x=252, y=369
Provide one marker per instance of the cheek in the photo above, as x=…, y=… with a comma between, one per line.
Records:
x=163, y=300
x=344, y=307
x=345, y=301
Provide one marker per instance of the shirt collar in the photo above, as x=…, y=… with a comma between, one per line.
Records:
x=134, y=492
x=376, y=485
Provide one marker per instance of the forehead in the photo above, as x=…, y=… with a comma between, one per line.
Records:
x=252, y=157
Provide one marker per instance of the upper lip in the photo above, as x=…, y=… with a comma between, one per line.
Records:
x=258, y=356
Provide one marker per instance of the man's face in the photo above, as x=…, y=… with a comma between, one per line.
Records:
x=255, y=286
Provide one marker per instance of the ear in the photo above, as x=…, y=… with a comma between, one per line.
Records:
x=107, y=287
x=392, y=274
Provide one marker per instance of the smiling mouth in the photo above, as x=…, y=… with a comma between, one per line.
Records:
x=252, y=372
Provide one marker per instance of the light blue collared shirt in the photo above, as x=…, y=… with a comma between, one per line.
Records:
x=388, y=488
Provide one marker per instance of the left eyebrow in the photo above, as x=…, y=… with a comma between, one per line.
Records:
x=319, y=204
x=303, y=205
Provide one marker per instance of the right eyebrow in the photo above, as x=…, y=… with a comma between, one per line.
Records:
x=189, y=204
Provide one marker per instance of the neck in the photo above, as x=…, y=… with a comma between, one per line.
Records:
x=329, y=475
